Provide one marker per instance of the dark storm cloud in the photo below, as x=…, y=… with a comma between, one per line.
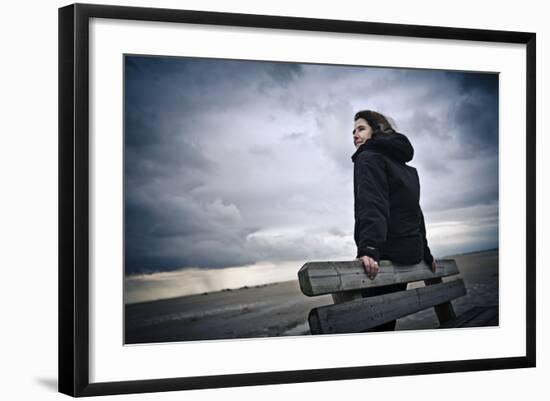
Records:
x=182, y=87
x=163, y=159
x=476, y=122
x=174, y=110
x=231, y=163
x=476, y=82
x=475, y=113
x=457, y=110
x=166, y=233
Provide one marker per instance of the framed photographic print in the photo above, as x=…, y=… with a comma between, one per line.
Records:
x=273, y=190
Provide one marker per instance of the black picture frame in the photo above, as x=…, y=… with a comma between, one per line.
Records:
x=74, y=191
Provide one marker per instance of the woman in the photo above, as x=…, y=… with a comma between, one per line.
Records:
x=389, y=223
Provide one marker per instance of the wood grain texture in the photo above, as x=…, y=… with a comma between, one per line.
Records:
x=318, y=278
x=362, y=314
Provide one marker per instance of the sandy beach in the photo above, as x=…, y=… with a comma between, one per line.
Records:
x=280, y=309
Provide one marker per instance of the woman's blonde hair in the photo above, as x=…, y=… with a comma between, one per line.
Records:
x=377, y=121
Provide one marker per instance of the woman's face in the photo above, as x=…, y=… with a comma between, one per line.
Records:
x=362, y=132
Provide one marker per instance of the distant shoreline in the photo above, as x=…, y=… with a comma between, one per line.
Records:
x=469, y=253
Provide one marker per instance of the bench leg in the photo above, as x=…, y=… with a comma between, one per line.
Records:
x=444, y=311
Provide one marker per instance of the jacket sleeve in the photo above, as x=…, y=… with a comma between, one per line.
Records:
x=372, y=207
x=428, y=258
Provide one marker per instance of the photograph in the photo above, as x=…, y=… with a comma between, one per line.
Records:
x=270, y=199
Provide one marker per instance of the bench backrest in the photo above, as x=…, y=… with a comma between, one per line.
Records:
x=353, y=313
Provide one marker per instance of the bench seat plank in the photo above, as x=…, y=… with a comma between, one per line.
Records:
x=318, y=278
x=364, y=313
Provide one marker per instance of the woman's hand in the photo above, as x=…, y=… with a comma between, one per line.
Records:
x=434, y=266
x=370, y=265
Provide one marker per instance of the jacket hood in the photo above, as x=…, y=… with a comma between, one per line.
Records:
x=396, y=146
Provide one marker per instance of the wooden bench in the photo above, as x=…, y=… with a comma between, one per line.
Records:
x=352, y=312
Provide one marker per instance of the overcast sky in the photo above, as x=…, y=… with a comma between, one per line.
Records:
x=233, y=163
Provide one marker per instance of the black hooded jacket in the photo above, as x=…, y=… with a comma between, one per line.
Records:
x=389, y=223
